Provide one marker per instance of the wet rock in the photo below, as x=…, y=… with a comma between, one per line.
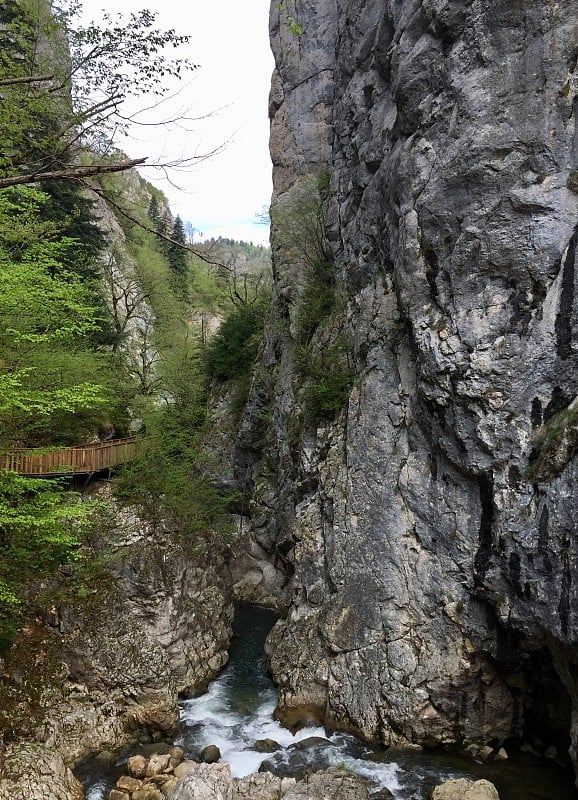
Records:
x=136, y=766
x=210, y=754
x=266, y=746
x=311, y=741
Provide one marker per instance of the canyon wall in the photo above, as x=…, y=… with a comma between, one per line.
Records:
x=427, y=151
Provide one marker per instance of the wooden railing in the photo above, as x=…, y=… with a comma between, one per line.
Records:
x=85, y=459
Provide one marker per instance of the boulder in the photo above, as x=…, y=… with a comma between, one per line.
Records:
x=464, y=789
x=136, y=766
x=206, y=782
x=157, y=764
x=266, y=746
x=185, y=768
x=210, y=754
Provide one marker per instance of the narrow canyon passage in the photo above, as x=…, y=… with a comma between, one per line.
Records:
x=237, y=715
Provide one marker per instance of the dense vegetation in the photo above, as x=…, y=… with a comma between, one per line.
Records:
x=322, y=353
x=100, y=331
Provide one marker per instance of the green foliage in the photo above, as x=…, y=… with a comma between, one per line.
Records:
x=554, y=444
x=329, y=379
x=64, y=84
x=41, y=527
x=239, y=257
x=231, y=352
x=48, y=322
x=289, y=8
x=300, y=222
x=165, y=481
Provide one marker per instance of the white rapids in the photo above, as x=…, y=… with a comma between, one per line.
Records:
x=212, y=719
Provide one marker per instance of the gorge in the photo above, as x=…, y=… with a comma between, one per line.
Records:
x=406, y=456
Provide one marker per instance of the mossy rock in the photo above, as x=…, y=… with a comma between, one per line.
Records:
x=572, y=181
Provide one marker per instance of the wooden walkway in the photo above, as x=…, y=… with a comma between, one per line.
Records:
x=83, y=460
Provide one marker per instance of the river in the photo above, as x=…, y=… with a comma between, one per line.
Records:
x=237, y=711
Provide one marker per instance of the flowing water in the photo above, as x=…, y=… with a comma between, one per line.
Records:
x=237, y=711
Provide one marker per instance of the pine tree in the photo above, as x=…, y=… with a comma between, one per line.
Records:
x=177, y=253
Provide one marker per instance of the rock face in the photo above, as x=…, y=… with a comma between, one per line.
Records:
x=428, y=523
x=108, y=670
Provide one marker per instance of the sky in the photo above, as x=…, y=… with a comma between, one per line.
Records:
x=227, y=96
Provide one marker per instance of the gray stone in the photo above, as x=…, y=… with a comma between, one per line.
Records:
x=428, y=516
x=206, y=782
x=463, y=789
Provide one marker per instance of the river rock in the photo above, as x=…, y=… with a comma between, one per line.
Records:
x=331, y=783
x=136, y=766
x=176, y=755
x=206, y=782
x=266, y=746
x=157, y=764
x=210, y=754
x=148, y=793
x=127, y=784
x=261, y=786
x=185, y=768
x=311, y=741
x=463, y=789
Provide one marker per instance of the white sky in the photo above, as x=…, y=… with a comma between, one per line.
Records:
x=220, y=196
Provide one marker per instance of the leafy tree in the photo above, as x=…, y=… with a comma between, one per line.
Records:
x=231, y=352
x=48, y=319
x=64, y=85
x=41, y=527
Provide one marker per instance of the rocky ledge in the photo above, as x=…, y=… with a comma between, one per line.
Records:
x=97, y=673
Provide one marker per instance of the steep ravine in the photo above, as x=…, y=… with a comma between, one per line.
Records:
x=427, y=527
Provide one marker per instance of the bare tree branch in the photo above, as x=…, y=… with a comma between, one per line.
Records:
x=154, y=232
x=70, y=173
x=25, y=79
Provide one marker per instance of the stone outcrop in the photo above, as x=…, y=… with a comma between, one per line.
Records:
x=176, y=779
x=35, y=772
x=428, y=523
x=463, y=789
x=108, y=670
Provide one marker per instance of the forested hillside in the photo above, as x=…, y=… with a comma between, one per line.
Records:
x=106, y=312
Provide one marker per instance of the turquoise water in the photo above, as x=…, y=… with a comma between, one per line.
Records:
x=238, y=708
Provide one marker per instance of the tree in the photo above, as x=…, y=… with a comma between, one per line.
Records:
x=64, y=86
x=48, y=318
x=176, y=249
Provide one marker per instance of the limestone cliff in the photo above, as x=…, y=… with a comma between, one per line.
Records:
x=428, y=523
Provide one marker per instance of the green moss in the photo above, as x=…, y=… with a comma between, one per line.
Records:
x=329, y=378
x=547, y=458
x=572, y=181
